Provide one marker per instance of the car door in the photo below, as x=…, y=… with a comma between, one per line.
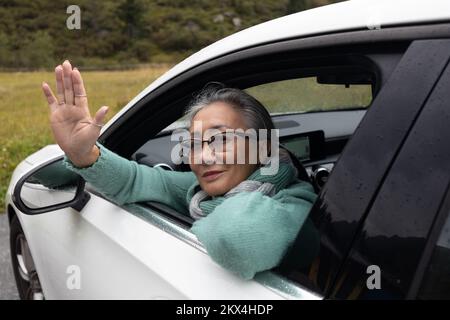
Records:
x=109, y=252
x=75, y=255
x=395, y=236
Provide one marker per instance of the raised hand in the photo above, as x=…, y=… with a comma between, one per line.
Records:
x=73, y=128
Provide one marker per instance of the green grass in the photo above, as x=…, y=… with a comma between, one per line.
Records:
x=24, y=113
x=305, y=94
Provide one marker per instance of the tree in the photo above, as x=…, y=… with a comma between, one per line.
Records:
x=4, y=50
x=298, y=5
x=131, y=13
x=38, y=52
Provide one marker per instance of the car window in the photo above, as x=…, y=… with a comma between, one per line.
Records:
x=300, y=94
x=309, y=94
x=436, y=281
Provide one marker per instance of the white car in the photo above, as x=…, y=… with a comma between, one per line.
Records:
x=356, y=74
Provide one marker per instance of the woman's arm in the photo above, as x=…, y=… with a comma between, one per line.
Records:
x=76, y=132
x=251, y=232
x=124, y=181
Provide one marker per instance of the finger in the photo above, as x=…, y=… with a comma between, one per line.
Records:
x=68, y=86
x=51, y=99
x=78, y=88
x=59, y=84
x=100, y=115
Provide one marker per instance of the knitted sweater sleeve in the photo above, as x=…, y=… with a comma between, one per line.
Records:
x=251, y=232
x=124, y=181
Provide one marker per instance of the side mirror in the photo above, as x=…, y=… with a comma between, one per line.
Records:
x=48, y=188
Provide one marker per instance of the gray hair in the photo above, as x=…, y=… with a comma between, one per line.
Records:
x=255, y=114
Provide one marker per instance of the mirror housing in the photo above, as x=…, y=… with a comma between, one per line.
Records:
x=61, y=186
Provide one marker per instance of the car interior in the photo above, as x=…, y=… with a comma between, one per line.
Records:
x=317, y=150
x=314, y=140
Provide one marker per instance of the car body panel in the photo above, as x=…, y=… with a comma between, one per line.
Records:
x=103, y=241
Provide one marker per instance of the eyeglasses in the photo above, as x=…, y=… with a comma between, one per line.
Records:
x=219, y=143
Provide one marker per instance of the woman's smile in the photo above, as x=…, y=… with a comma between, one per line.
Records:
x=212, y=175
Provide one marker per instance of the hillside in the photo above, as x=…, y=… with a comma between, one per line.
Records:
x=33, y=34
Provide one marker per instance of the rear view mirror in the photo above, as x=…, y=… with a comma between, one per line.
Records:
x=347, y=79
x=48, y=188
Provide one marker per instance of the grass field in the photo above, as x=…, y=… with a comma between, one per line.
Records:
x=24, y=126
x=24, y=111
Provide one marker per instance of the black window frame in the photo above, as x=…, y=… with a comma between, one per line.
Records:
x=429, y=72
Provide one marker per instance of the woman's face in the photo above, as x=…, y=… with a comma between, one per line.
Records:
x=218, y=178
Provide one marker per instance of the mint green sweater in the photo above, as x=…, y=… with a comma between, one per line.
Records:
x=246, y=233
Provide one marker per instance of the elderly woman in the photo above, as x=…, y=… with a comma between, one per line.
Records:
x=246, y=220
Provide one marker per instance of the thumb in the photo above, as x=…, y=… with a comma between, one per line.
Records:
x=100, y=115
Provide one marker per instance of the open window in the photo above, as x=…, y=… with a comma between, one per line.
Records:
x=317, y=100
x=316, y=103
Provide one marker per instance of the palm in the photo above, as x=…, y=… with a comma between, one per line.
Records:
x=68, y=129
x=70, y=120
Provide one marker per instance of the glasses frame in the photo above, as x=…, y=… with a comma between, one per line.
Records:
x=187, y=143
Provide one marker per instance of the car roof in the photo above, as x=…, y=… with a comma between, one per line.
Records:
x=338, y=17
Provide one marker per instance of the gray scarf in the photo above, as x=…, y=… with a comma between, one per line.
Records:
x=201, y=204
